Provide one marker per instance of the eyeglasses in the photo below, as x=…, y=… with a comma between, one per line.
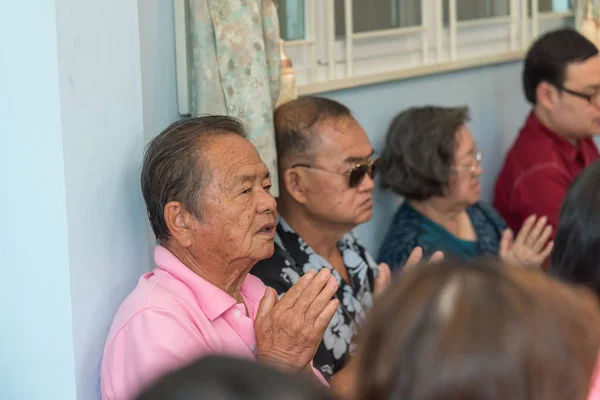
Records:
x=590, y=98
x=477, y=156
x=356, y=174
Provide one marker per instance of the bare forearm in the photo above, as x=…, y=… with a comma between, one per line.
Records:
x=343, y=382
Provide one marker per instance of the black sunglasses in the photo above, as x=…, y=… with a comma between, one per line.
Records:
x=356, y=174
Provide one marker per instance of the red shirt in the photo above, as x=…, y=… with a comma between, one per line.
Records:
x=537, y=173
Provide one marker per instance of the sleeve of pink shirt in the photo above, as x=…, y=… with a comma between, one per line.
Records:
x=595, y=389
x=154, y=342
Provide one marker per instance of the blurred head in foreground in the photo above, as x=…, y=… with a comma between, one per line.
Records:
x=479, y=331
x=225, y=378
x=576, y=254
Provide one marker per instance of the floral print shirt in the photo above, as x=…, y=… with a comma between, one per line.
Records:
x=293, y=258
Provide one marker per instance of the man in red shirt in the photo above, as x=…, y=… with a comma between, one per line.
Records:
x=561, y=79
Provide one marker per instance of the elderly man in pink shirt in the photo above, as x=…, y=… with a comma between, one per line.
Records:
x=207, y=196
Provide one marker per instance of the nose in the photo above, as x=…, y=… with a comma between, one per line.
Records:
x=478, y=170
x=366, y=184
x=266, y=202
x=596, y=102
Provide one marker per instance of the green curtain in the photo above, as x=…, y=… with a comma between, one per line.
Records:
x=235, y=67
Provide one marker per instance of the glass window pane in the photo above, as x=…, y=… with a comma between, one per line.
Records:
x=477, y=9
x=375, y=15
x=291, y=19
x=553, y=6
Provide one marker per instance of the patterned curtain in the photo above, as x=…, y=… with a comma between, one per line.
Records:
x=235, y=67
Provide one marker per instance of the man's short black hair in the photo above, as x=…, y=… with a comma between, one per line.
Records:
x=549, y=56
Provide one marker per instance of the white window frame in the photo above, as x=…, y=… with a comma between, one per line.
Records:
x=324, y=64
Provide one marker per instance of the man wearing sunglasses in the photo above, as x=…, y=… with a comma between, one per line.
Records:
x=326, y=168
x=561, y=79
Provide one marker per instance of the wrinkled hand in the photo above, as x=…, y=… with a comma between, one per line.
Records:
x=383, y=279
x=417, y=254
x=288, y=331
x=531, y=246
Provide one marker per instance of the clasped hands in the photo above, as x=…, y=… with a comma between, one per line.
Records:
x=289, y=330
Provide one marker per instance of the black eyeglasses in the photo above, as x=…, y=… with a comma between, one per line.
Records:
x=356, y=174
x=590, y=98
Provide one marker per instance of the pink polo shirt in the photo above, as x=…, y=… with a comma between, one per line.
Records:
x=171, y=318
x=595, y=389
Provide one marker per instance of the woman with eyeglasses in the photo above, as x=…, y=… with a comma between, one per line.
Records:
x=431, y=160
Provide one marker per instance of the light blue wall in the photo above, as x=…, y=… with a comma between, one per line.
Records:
x=73, y=232
x=498, y=109
x=36, y=346
x=157, y=48
x=103, y=138
x=159, y=86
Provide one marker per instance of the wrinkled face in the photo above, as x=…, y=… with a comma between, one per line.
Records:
x=342, y=145
x=464, y=187
x=575, y=115
x=238, y=212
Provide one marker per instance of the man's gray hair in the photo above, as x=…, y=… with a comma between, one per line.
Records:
x=174, y=166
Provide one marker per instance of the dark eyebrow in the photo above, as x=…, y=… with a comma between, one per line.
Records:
x=354, y=159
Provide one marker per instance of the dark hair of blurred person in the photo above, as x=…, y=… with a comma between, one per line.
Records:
x=576, y=255
x=226, y=378
x=479, y=331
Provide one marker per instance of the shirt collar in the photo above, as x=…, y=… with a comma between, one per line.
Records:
x=346, y=241
x=212, y=300
x=567, y=148
x=295, y=243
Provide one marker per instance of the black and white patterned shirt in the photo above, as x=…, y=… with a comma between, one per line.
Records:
x=293, y=258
